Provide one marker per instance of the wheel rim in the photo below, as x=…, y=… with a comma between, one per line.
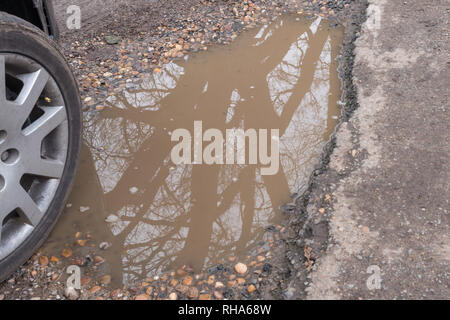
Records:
x=33, y=147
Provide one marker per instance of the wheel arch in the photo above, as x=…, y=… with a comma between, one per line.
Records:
x=40, y=13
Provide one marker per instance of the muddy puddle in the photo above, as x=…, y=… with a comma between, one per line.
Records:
x=158, y=215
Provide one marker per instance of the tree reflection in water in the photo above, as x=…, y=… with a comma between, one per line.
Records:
x=282, y=76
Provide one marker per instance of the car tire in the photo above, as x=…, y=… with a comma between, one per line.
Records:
x=22, y=42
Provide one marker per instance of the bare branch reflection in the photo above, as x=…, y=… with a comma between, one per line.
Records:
x=282, y=76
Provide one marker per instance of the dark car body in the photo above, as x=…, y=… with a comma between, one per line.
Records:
x=37, y=12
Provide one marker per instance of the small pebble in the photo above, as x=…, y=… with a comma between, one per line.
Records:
x=218, y=295
x=192, y=293
x=240, y=268
x=173, y=296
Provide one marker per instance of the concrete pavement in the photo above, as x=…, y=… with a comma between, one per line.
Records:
x=389, y=225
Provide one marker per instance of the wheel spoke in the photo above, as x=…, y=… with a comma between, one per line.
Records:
x=29, y=208
x=33, y=85
x=40, y=128
x=5, y=208
x=46, y=168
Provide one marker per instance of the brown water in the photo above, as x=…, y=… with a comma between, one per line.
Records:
x=159, y=215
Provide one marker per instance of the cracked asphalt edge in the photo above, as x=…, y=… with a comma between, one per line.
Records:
x=306, y=235
x=388, y=176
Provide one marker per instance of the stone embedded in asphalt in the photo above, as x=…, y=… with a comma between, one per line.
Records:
x=105, y=279
x=187, y=281
x=99, y=260
x=211, y=279
x=205, y=296
x=240, y=268
x=85, y=281
x=173, y=296
x=142, y=297
x=43, y=260
x=81, y=242
x=173, y=282
x=111, y=39
x=218, y=295
x=95, y=289
x=192, y=293
x=66, y=252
